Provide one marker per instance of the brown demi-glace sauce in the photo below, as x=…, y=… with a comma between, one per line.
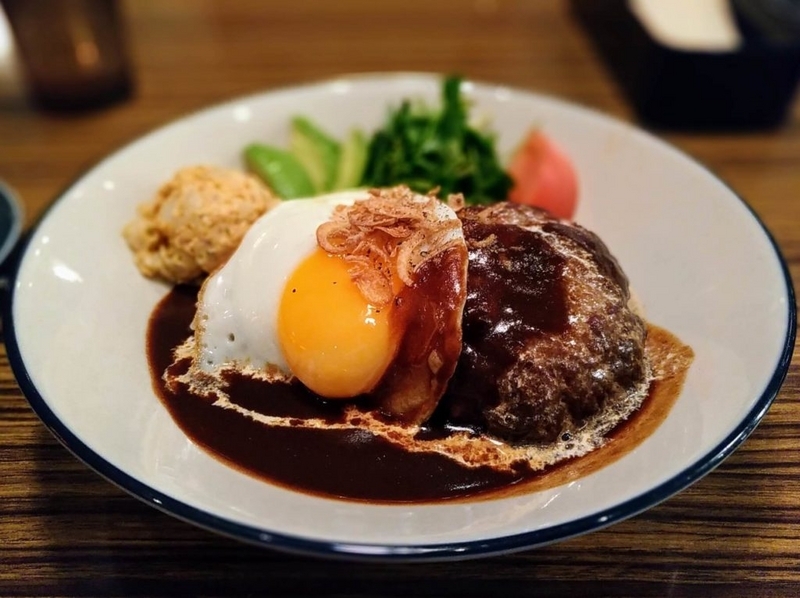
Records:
x=355, y=464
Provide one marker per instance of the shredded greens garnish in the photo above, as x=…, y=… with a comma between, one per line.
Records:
x=426, y=149
x=422, y=147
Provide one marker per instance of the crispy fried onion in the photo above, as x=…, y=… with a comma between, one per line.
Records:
x=387, y=237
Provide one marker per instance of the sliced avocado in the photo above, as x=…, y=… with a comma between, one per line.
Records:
x=316, y=151
x=280, y=170
x=353, y=161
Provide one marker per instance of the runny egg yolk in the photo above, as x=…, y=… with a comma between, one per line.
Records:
x=333, y=340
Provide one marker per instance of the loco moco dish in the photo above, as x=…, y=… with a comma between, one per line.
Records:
x=388, y=346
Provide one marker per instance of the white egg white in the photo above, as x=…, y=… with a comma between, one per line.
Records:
x=236, y=322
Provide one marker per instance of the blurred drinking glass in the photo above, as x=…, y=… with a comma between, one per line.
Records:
x=72, y=51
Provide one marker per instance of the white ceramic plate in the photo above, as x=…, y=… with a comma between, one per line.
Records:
x=700, y=261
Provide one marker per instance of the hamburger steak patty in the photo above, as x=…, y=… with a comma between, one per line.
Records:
x=549, y=339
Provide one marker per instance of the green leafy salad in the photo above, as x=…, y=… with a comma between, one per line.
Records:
x=419, y=146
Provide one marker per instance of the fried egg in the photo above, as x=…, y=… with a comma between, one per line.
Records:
x=351, y=293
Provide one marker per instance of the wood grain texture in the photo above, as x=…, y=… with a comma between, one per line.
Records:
x=66, y=531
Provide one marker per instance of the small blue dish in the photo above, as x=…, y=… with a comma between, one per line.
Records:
x=10, y=221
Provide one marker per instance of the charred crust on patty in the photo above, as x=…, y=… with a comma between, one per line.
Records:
x=528, y=375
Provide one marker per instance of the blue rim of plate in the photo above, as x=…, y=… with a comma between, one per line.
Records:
x=409, y=552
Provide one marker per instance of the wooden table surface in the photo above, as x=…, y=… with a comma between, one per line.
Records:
x=65, y=531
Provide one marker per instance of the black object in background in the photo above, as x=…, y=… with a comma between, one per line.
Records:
x=776, y=20
x=749, y=88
